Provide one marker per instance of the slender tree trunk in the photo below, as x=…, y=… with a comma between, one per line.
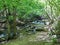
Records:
x=14, y=21
x=8, y=25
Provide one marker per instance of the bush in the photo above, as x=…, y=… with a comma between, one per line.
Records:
x=58, y=28
x=58, y=31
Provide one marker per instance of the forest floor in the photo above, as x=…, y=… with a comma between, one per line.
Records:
x=40, y=38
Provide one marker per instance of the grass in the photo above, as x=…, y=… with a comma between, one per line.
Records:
x=26, y=42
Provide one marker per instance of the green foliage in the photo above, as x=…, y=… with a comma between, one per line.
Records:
x=58, y=28
x=23, y=7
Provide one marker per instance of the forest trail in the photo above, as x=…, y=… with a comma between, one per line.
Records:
x=30, y=39
x=41, y=36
